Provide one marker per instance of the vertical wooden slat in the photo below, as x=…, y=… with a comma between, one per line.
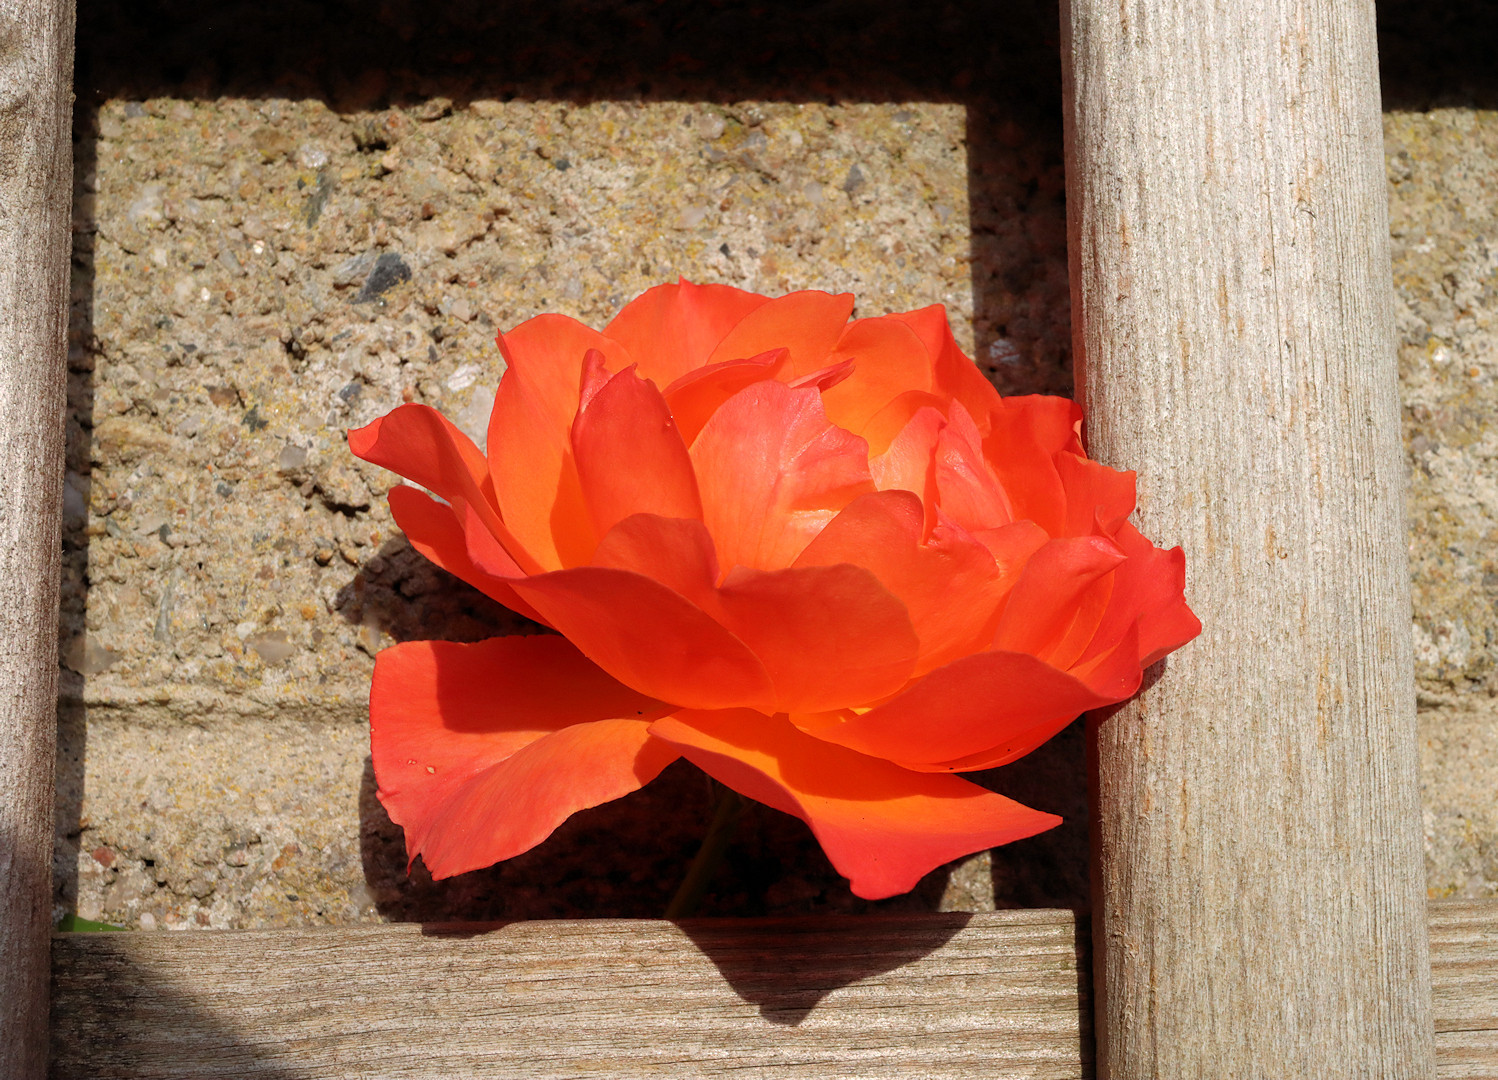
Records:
x=1258, y=899
x=36, y=173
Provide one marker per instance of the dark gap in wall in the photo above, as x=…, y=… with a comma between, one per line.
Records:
x=1438, y=55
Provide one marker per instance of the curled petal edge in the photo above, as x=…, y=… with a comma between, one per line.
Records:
x=959, y=716
x=881, y=826
x=478, y=748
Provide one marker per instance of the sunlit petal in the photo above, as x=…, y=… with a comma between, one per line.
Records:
x=882, y=827
x=481, y=750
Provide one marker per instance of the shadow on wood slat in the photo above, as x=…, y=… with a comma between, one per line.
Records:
x=933, y=995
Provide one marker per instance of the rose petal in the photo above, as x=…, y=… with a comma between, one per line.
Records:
x=806, y=323
x=1088, y=608
x=695, y=396
x=1055, y=595
x=1011, y=749
x=1012, y=545
x=530, y=442
x=434, y=530
x=443, y=711
x=630, y=459
x=1116, y=673
x=909, y=462
x=1027, y=433
x=968, y=707
x=677, y=552
x=966, y=487
x=1148, y=593
x=481, y=750
x=546, y=355
x=888, y=423
x=772, y=471
x=423, y=445
x=888, y=360
x=882, y=827
x=954, y=375
x=535, y=480
x=1054, y=423
x=649, y=637
x=516, y=804
x=1165, y=630
x=1097, y=497
x=948, y=582
x=671, y=330
x=1112, y=677
x=824, y=379
x=827, y=635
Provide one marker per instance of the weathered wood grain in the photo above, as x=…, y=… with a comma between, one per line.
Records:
x=1260, y=906
x=999, y=995
x=36, y=187
x=930, y=996
x=1464, y=976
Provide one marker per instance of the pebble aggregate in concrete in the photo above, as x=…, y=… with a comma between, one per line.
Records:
x=1443, y=183
x=269, y=252
x=258, y=277
x=274, y=822
x=246, y=309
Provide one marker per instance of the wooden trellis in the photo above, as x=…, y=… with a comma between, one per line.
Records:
x=1260, y=909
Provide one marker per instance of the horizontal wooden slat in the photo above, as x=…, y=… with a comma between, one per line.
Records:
x=993, y=995
x=1464, y=977
x=947, y=995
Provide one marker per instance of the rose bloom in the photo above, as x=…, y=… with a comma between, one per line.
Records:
x=823, y=560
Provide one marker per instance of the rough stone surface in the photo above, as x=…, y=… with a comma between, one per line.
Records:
x=1443, y=182
x=1459, y=776
x=272, y=822
x=1443, y=172
x=258, y=277
x=284, y=230
x=247, y=308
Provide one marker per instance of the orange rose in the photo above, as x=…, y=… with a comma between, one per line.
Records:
x=823, y=560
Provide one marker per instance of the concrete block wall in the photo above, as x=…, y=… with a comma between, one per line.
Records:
x=284, y=232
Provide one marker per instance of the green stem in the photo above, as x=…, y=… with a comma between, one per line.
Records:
x=726, y=813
